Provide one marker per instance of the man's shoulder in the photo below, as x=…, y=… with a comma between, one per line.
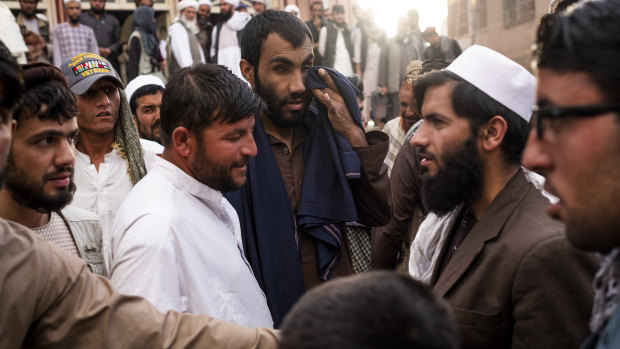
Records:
x=76, y=214
x=109, y=17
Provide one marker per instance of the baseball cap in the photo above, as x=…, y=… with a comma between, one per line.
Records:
x=83, y=70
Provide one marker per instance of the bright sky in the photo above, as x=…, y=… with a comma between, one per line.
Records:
x=432, y=12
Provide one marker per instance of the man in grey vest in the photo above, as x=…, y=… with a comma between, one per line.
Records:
x=184, y=47
x=39, y=175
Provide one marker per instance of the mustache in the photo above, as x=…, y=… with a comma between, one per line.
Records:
x=295, y=96
x=243, y=162
x=156, y=124
x=59, y=171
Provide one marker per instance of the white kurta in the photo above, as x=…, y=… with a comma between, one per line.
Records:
x=103, y=192
x=342, y=59
x=229, y=52
x=177, y=242
x=179, y=45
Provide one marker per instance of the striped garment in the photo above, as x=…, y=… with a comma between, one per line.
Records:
x=397, y=138
x=69, y=41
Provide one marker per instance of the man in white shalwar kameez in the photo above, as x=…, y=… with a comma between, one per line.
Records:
x=184, y=46
x=225, y=48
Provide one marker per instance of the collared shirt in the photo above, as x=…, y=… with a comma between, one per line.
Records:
x=103, y=191
x=106, y=27
x=177, y=242
x=291, y=165
x=70, y=41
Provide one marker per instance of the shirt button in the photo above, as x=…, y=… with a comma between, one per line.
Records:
x=285, y=150
x=454, y=248
x=300, y=180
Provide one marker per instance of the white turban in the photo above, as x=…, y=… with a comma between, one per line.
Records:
x=205, y=2
x=182, y=5
x=233, y=3
x=141, y=81
x=291, y=8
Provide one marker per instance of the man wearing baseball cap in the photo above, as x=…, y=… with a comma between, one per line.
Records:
x=72, y=37
x=502, y=264
x=184, y=47
x=109, y=159
x=144, y=97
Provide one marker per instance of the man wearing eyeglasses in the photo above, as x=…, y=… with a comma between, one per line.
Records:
x=575, y=143
x=505, y=267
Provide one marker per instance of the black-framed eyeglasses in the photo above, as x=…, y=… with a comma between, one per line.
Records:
x=578, y=111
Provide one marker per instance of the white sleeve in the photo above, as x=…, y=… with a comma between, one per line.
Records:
x=179, y=45
x=357, y=46
x=57, y=54
x=322, y=40
x=144, y=261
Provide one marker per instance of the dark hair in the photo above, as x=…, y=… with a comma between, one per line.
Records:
x=562, y=5
x=282, y=23
x=12, y=79
x=432, y=65
x=316, y=2
x=470, y=102
x=337, y=9
x=586, y=38
x=357, y=81
x=374, y=310
x=197, y=96
x=145, y=90
x=47, y=96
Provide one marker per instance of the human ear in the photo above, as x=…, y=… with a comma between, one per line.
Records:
x=182, y=141
x=247, y=70
x=494, y=132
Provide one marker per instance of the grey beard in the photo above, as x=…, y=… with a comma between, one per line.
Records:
x=192, y=26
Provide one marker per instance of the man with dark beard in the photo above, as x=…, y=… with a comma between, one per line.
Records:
x=206, y=28
x=335, y=45
x=176, y=240
x=225, y=37
x=72, y=38
x=107, y=31
x=315, y=169
x=39, y=175
x=487, y=247
x=184, y=47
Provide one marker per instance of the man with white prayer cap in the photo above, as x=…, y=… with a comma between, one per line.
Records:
x=487, y=247
x=184, y=47
x=225, y=48
x=72, y=37
x=293, y=9
x=144, y=96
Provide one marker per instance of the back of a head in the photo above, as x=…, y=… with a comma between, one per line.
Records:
x=381, y=310
x=11, y=79
x=47, y=96
x=584, y=38
x=284, y=24
x=214, y=94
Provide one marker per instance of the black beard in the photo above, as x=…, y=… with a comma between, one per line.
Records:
x=74, y=21
x=226, y=15
x=341, y=25
x=97, y=11
x=203, y=21
x=213, y=173
x=458, y=180
x=274, y=106
x=32, y=195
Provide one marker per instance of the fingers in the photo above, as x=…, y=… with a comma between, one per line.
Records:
x=327, y=80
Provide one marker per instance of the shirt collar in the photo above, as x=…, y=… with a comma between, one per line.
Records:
x=185, y=182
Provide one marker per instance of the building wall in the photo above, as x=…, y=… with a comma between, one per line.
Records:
x=507, y=26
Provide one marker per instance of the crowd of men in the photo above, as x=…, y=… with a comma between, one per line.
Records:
x=212, y=206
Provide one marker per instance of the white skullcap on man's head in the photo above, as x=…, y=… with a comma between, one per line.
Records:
x=68, y=1
x=291, y=8
x=205, y=2
x=141, y=81
x=499, y=77
x=182, y=5
x=233, y=3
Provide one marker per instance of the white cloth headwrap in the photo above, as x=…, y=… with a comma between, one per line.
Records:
x=141, y=81
x=205, y=2
x=233, y=3
x=182, y=5
x=291, y=8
